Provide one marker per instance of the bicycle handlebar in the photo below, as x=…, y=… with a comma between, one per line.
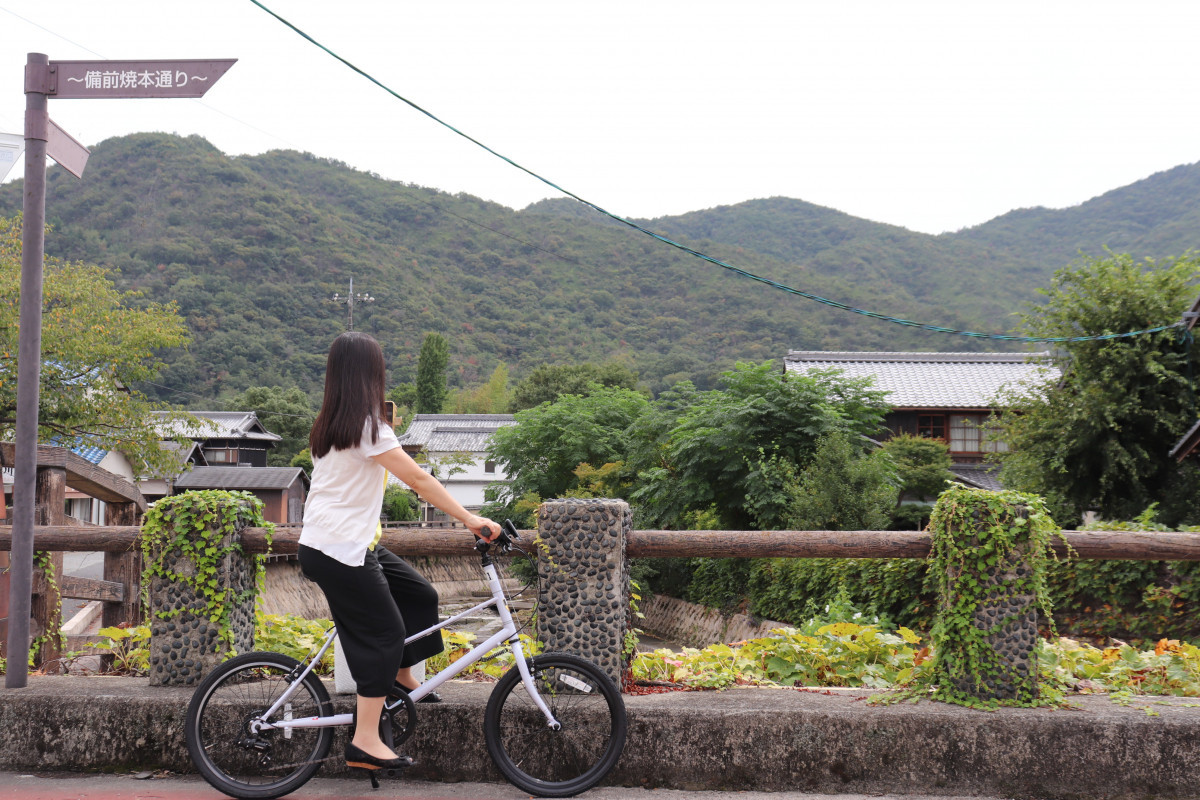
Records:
x=505, y=542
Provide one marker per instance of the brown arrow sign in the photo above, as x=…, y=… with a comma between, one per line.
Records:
x=77, y=80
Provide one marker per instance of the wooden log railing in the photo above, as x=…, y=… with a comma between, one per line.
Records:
x=57, y=470
x=120, y=591
x=1097, y=545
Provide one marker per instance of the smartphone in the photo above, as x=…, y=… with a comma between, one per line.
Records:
x=389, y=412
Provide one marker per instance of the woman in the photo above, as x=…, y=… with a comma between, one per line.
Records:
x=374, y=596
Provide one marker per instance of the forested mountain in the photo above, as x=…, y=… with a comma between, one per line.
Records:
x=253, y=248
x=1155, y=217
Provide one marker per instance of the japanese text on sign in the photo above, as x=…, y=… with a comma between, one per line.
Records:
x=187, y=77
x=131, y=79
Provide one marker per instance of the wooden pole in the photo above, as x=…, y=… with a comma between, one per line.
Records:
x=1098, y=545
x=46, y=602
x=122, y=566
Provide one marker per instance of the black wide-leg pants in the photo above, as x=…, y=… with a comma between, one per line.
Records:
x=374, y=607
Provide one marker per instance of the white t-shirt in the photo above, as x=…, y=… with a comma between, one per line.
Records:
x=341, y=513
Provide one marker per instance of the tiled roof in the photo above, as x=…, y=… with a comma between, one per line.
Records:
x=934, y=380
x=981, y=476
x=182, y=456
x=215, y=425
x=239, y=478
x=1187, y=445
x=90, y=453
x=454, y=433
x=80, y=447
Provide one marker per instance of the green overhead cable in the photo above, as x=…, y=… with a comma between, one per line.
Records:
x=710, y=259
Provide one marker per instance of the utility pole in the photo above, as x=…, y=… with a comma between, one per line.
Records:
x=350, y=299
x=65, y=80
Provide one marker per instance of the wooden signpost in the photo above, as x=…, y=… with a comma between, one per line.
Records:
x=75, y=80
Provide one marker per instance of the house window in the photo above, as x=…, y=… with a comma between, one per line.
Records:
x=931, y=426
x=221, y=456
x=80, y=508
x=968, y=434
x=489, y=467
x=964, y=433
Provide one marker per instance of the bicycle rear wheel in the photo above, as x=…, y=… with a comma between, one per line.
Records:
x=239, y=761
x=563, y=762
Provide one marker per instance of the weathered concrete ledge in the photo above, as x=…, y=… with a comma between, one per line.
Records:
x=739, y=739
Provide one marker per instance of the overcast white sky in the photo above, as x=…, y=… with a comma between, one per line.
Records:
x=931, y=115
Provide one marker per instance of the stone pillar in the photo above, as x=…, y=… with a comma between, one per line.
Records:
x=184, y=641
x=583, y=580
x=1006, y=614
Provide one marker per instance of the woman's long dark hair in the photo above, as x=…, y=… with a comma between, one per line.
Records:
x=355, y=391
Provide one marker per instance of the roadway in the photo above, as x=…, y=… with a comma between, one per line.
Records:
x=160, y=786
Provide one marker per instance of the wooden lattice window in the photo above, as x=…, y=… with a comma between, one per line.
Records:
x=931, y=426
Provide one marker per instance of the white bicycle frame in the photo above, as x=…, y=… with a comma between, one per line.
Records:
x=507, y=633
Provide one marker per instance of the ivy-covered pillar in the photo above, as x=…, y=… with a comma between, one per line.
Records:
x=200, y=585
x=990, y=551
x=583, y=580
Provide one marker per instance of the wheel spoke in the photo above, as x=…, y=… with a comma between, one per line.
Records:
x=556, y=762
x=227, y=749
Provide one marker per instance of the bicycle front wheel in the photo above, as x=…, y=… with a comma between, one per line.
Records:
x=230, y=753
x=588, y=741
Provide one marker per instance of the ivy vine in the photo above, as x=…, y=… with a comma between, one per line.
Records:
x=186, y=537
x=41, y=561
x=990, y=550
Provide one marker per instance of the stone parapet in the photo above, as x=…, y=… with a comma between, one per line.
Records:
x=742, y=739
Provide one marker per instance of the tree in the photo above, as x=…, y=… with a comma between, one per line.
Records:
x=542, y=452
x=490, y=398
x=286, y=412
x=547, y=383
x=922, y=465
x=843, y=489
x=431, y=374
x=689, y=457
x=405, y=398
x=400, y=504
x=98, y=344
x=303, y=460
x=703, y=450
x=1099, y=439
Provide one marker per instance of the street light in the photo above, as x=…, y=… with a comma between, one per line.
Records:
x=350, y=299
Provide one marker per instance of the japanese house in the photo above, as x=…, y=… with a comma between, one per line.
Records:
x=946, y=396
x=281, y=489
x=225, y=438
x=454, y=447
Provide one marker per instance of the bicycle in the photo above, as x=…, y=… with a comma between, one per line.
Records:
x=261, y=724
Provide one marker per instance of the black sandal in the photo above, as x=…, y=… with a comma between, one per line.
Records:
x=357, y=758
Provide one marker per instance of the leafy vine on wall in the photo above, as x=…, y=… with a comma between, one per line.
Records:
x=991, y=551
x=185, y=539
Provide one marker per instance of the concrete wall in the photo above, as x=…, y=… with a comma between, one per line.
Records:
x=740, y=740
x=695, y=625
x=289, y=592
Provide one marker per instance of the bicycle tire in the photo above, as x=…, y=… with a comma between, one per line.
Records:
x=219, y=741
x=564, y=762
